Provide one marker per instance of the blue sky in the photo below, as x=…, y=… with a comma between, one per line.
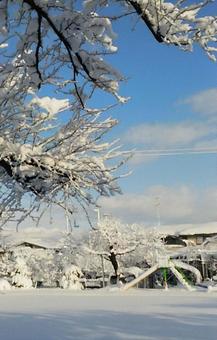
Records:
x=173, y=105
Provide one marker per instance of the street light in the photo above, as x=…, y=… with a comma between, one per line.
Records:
x=98, y=214
x=157, y=206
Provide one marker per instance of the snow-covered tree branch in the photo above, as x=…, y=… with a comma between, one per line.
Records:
x=53, y=63
x=53, y=148
x=57, y=164
x=178, y=23
x=125, y=244
x=112, y=239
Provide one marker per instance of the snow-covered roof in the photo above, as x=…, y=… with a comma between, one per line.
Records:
x=210, y=242
x=188, y=229
x=46, y=238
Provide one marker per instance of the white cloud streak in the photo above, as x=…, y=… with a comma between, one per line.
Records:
x=204, y=102
x=165, y=135
x=177, y=205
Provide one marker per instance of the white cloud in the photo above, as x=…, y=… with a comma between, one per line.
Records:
x=207, y=144
x=151, y=139
x=186, y=134
x=164, y=135
x=204, y=102
x=139, y=158
x=177, y=205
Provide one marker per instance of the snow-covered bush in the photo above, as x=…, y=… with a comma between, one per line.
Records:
x=6, y=265
x=71, y=249
x=4, y=284
x=42, y=263
x=21, y=277
x=70, y=278
x=45, y=267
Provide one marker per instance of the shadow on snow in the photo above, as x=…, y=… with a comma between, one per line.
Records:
x=107, y=325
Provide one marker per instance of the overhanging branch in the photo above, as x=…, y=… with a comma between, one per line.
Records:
x=41, y=174
x=138, y=8
x=42, y=14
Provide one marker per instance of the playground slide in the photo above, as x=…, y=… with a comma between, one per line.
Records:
x=140, y=277
x=180, y=278
x=172, y=265
x=195, y=271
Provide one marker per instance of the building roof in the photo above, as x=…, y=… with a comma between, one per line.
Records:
x=44, y=238
x=188, y=229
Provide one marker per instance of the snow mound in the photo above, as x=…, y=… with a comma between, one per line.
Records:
x=4, y=285
x=22, y=282
x=70, y=279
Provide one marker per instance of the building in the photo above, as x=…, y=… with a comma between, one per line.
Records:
x=188, y=234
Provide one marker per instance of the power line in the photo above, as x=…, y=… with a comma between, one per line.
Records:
x=176, y=152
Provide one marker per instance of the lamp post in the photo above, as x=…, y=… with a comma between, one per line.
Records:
x=98, y=214
x=101, y=256
x=157, y=206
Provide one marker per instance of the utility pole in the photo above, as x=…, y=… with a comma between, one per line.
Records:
x=98, y=214
x=157, y=206
x=101, y=256
x=103, y=271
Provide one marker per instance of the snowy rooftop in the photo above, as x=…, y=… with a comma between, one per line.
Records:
x=188, y=229
x=47, y=238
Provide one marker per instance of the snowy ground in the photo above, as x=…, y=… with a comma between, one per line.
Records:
x=51, y=314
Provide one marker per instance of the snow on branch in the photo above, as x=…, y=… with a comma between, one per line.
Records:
x=52, y=146
x=129, y=244
x=49, y=36
x=179, y=24
x=55, y=165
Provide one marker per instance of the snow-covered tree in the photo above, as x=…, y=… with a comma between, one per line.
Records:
x=112, y=240
x=153, y=246
x=128, y=245
x=51, y=147
x=21, y=276
x=6, y=265
x=52, y=62
x=42, y=264
x=70, y=278
x=44, y=267
x=71, y=252
x=149, y=250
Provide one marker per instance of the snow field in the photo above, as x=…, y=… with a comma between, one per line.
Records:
x=54, y=314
